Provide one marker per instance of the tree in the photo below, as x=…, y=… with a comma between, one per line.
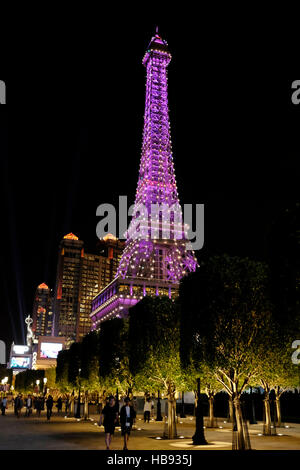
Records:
x=276, y=370
x=212, y=387
x=26, y=381
x=113, y=353
x=62, y=371
x=90, y=362
x=50, y=375
x=154, y=354
x=74, y=364
x=225, y=322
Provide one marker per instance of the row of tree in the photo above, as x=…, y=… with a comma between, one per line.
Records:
x=26, y=382
x=220, y=330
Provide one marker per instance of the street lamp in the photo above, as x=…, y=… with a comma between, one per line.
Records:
x=3, y=383
x=45, y=381
x=38, y=385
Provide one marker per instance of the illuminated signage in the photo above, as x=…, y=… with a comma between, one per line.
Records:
x=20, y=349
x=34, y=356
x=50, y=350
x=20, y=362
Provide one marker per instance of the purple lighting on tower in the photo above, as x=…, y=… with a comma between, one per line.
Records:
x=155, y=257
x=163, y=259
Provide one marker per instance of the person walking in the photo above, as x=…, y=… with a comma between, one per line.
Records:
x=38, y=406
x=110, y=415
x=127, y=415
x=49, y=406
x=28, y=404
x=19, y=405
x=59, y=405
x=3, y=405
x=147, y=410
x=135, y=407
x=14, y=404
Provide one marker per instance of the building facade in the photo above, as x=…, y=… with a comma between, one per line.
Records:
x=67, y=287
x=110, y=250
x=80, y=276
x=42, y=313
x=156, y=254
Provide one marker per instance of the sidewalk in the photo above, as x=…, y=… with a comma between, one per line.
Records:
x=72, y=434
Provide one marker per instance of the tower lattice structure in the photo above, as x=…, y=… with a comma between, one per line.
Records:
x=156, y=240
x=155, y=256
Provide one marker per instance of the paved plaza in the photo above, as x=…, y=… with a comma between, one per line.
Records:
x=71, y=434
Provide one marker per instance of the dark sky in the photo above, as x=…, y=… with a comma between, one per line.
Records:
x=73, y=136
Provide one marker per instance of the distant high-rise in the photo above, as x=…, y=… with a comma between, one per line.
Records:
x=42, y=313
x=80, y=276
x=110, y=251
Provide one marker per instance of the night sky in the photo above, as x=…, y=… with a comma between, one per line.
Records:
x=72, y=136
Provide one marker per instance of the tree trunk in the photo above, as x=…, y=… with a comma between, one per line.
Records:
x=171, y=432
x=241, y=443
x=267, y=424
x=278, y=411
x=72, y=406
x=230, y=407
x=172, y=419
x=158, y=409
x=211, y=412
x=198, y=437
x=86, y=407
x=196, y=401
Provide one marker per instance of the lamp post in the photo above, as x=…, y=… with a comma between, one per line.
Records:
x=45, y=381
x=78, y=403
x=38, y=385
x=198, y=437
x=158, y=410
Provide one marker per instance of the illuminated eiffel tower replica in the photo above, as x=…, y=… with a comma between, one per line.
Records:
x=155, y=257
